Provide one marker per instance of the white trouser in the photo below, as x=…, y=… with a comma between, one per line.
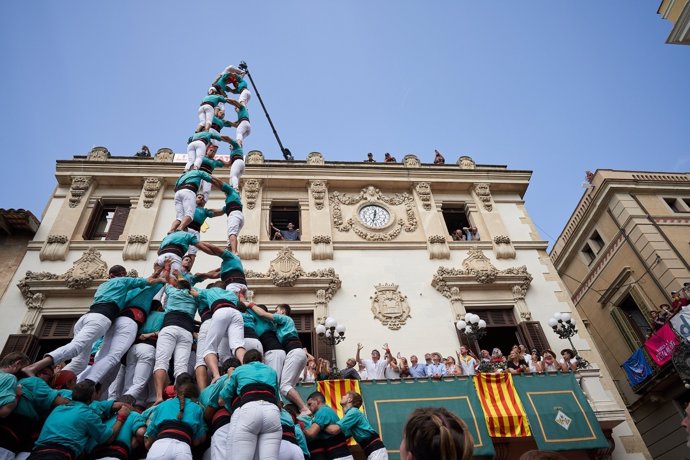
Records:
x=275, y=359
x=235, y=222
x=191, y=362
x=6, y=454
x=196, y=150
x=201, y=343
x=88, y=329
x=253, y=344
x=117, y=388
x=173, y=339
x=226, y=322
x=185, y=203
x=140, y=360
x=193, y=249
x=175, y=264
x=219, y=442
x=380, y=454
x=244, y=98
x=213, y=141
x=236, y=288
x=290, y=451
x=116, y=342
x=169, y=449
x=244, y=129
x=205, y=115
x=236, y=171
x=205, y=189
x=255, y=428
x=295, y=361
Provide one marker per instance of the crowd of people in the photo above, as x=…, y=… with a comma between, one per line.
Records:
x=663, y=315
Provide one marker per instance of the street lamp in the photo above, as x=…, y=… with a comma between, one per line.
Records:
x=332, y=334
x=564, y=326
x=473, y=326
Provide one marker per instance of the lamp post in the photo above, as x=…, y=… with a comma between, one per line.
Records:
x=473, y=326
x=564, y=326
x=332, y=334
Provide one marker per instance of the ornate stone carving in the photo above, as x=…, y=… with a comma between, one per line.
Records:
x=35, y=301
x=98, y=154
x=466, y=162
x=484, y=194
x=423, y=189
x=389, y=306
x=135, y=248
x=80, y=184
x=478, y=269
x=321, y=239
x=89, y=267
x=55, y=248
x=251, y=188
x=321, y=305
x=318, y=192
x=27, y=328
x=164, y=155
x=315, y=158
x=371, y=194
x=151, y=187
x=255, y=157
x=437, y=239
x=249, y=247
x=411, y=161
x=519, y=292
x=438, y=247
x=133, y=273
x=244, y=239
x=503, y=247
x=321, y=248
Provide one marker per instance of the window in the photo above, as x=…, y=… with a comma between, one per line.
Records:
x=501, y=331
x=24, y=343
x=107, y=221
x=455, y=216
x=54, y=333
x=592, y=247
x=589, y=254
x=631, y=321
x=281, y=216
x=678, y=204
x=596, y=241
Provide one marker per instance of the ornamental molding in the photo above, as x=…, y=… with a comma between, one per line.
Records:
x=251, y=188
x=27, y=328
x=321, y=248
x=411, y=161
x=390, y=306
x=315, y=158
x=151, y=187
x=423, y=190
x=55, y=248
x=164, y=155
x=253, y=239
x=503, y=247
x=255, y=157
x=478, y=272
x=285, y=271
x=437, y=239
x=466, y=162
x=321, y=239
x=483, y=192
x=249, y=247
x=98, y=154
x=438, y=247
x=89, y=267
x=136, y=247
x=80, y=184
x=372, y=195
x=318, y=192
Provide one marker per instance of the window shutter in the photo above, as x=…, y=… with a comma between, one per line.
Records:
x=117, y=225
x=534, y=334
x=93, y=220
x=627, y=331
x=57, y=328
x=24, y=343
x=497, y=318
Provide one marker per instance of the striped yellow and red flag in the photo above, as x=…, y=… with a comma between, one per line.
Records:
x=333, y=391
x=505, y=416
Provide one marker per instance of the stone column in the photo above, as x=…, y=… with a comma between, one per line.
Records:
x=142, y=217
x=432, y=221
x=249, y=240
x=489, y=223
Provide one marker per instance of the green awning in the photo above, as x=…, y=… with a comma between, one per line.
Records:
x=558, y=412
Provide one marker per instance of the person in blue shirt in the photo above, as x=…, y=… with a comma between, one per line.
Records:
x=417, y=370
x=231, y=269
x=251, y=393
x=108, y=302
x=208, y=104
x=333, y=446
x=436, y=369
x=186, y=188
x=130, y=437
x=70, y=427
x=216, y=415
x=355, y=424
x=177, y=424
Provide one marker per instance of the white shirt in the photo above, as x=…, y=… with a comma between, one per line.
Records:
x=467, y=363
x=375, y=370
x=390, y=374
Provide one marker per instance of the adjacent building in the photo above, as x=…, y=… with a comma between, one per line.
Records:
x=678, y=13
x=624, y=250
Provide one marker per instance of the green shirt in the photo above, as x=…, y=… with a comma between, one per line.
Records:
x=249, y=320
x=241, y=85
x=143, y=297
x=134, y=421
x=209, y=395
x=247, y=374
x=261, y=325
x=220, y=123
x=72, y=425
x=182, y=239
x=213, y=99
x=355, y=424
x=116, y=290
x=323, y=417
x=193, y=416
x=285, y=327
x=208, y=296
x=236, y=149
x=154, y=322
x=180, y=300
x=208, y=164
x=201, y=214
x=36, y=400
x=193, y=177
x=242, y=113
x=232, y=197
x=230, y=262
x=205, y=136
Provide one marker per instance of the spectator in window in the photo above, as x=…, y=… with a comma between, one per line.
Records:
x=471, y=233
x=370, y=158
x=657, y=320
x=291, y=234
x=350, y=372
x=436, y=369
x=515, y=364
x=533, y=362
x=548, y=361
x=458, y=235
x=568, y=362
x=388, y=158
x=451, y=367
x=438, y=159
x=416, y=369
x=466, y=362
x=375, y=366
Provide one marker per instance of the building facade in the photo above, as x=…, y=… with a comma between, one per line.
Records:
x=623, y=252
x=375, y=253
x=677, y=12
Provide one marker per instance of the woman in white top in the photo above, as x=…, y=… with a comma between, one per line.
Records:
x=309, y=374
x=568, y=361
x=533, y=361
x=548, y=362
x=451, y=367
x=392, y=371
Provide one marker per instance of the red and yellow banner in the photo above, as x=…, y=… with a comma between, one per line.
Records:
x=505, y=416
x=333, y=391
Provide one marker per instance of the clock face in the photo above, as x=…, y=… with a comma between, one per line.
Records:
x=374, y=216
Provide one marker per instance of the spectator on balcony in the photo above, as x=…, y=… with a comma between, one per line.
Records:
x=515, y=364
x=324, y=369
x=392, y=371
x=533, y=363
x=291, y=234
x=435, y=432
x=548, y=361
x=524, y=353
x=666, y=312
x=436, y=369
x=375, y=366
x=427, y=358
x=438, y=158
x=678, y=302
x=451, y=367
x=485, y=356
x=497, y=356
x=416, y=369
x=471, y=233
x=350, y=372
x=657, y=320
x=404, y=367
x=466, y=362
x=458, y=235
x=388, y=158
x=310, y=372
x=568, y=362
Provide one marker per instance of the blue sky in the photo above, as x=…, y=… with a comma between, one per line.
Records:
x=553, y=87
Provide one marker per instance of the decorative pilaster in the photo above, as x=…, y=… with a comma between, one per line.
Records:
x=251, y=188
x=483, y=192
x=503, y=247
x=136, y=247
x=456, y=304
x=320, y=307
x=249, y=247
x=519, y=293
x=318, y=192
x=411, y=161
x=315, y=158
x=80, y=184
x=255, y=157
x=423, y=190
x=55, y=248
x=438, y=247
x=152, y=185
x=321, y=247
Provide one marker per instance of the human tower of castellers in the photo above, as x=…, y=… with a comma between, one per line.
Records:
x=234, y=397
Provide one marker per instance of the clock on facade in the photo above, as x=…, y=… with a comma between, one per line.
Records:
x=374, y=216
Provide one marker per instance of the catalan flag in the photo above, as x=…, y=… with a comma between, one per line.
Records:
x=505, y=416
x=333, y=391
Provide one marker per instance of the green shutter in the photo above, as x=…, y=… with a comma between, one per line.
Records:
x=626, y=330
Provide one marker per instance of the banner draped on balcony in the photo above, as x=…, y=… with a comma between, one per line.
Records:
x=505, y=416
x=558, y=412
x=681, y=323
x=637, y=368
x=661, y=344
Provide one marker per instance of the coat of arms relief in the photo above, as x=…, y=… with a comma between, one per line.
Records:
x=390, y=306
